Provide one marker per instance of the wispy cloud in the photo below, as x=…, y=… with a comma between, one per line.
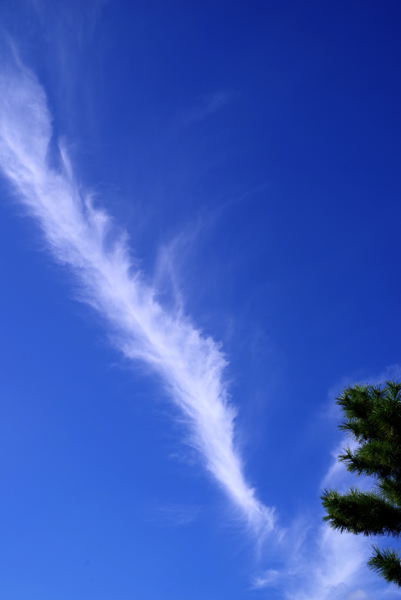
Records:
x=173, y=514
x=331, y=567
x=266, y=579
x=337, y=475
x=80, y=235
x=314, y=562
x=208, y=105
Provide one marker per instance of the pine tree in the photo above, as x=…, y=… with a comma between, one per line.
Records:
x=372, y=416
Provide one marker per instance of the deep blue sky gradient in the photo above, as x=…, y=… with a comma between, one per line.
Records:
x=260, y=143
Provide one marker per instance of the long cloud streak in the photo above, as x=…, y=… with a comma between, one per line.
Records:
x=77, y=233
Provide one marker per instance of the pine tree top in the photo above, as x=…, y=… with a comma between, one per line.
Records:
x=372, y=416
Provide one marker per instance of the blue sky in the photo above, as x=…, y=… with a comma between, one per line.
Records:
x=200, y=207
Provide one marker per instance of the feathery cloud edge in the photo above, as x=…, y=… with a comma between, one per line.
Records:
x=78, y=235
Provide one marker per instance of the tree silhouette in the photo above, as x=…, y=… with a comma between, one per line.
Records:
x=372, y=416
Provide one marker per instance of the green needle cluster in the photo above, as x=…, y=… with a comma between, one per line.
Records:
x=372, y=416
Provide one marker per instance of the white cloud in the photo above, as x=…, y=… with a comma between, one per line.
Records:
x=358, y=595
x=207, y=106
x=322, y=565
x=173, y=514
x=392, y=372
x=337, y=476
x=266, y=579
x=80, y=235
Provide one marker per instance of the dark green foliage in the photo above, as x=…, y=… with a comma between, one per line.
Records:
x=362, y=512
x=372, y=416
x=387, y=564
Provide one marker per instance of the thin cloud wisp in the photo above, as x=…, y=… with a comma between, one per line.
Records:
x=78, y=235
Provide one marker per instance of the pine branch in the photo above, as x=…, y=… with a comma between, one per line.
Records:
x=361, y=512
x=387, y=564
x=372, y=416
x=377, y=458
